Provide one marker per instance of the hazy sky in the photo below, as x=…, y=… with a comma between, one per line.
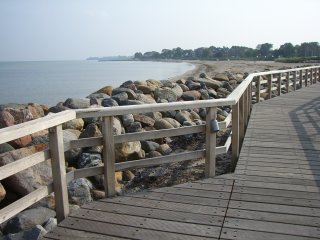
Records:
x=76, y=29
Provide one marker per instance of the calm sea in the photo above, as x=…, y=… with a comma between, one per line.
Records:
x=48, y=82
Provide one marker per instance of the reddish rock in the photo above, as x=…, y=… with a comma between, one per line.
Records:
x=21, y=142
x=6, y=119
x=106, y=90
x=30, y=179
x=144, y=120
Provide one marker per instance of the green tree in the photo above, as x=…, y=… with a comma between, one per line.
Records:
x=265, y=50
x=287, y=50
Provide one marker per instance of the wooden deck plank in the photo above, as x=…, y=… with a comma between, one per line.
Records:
x=122, y=231
x=272, y=227
x=149, y=223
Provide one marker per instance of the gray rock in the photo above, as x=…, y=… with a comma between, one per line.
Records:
x=96, y=101
x=178, y=91
x=145, y=98
x=191, y=95
x=50, y=224
x=77, y=103
x=193, y=85
x=27, y=219
x=221, y=77
x=183, y=116
x=72, y=154
x=109, y=102
x=5, y=147
x=131, y=94
x=166, y=94
x=89, y=158
x=98, y=95
x=212, y=93
x=134, y=127
x=184, y=87
x=127, y=119
x=35, y=233
x=79, y=191
x=126, y=84
x=210, y=83
x=153, y=154
x=92, y=130
x=204, y=94
x=188, y=124
x=28, y=180
x=58, y=108
x=149, y=146
x=169, y=114
x=121, y=98
x=167, y=83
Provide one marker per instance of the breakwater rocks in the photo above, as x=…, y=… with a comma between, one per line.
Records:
x=129, y=93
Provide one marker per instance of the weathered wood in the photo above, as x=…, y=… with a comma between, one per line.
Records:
x=148, y=162
x=23, y=163
x=235, y=135
x=108, y=156
x=210, y=163
x=24, y=202
x=241, y=120
x=270, y=77
x=300, y=78
x=59, y=172
x=306, y=77
x=288, y=82
x=295, y=80
x=20, y=130
x=258, y=79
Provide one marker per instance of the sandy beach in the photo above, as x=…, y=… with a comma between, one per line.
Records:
x=213, y=67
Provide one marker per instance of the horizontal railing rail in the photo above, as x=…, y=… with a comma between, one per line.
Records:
x=271, y=83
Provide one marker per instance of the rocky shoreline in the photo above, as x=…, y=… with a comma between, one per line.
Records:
x=201, y=83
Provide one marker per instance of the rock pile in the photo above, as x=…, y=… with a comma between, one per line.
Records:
x=129, y=93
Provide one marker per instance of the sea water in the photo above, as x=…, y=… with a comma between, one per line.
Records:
x=49, y=82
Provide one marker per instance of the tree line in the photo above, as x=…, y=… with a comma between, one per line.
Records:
x=263, y=51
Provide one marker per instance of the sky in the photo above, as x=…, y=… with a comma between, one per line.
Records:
x=36, y=30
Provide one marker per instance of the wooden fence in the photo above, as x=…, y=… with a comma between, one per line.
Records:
x=271, y=84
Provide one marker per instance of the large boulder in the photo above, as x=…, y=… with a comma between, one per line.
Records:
x=77, y=103
x=92, y=130
x=71, y=155
x=191, y=95
x=221, y=77
x=34, y=233
x=149, y=146
x=5, y=147
x=146, y=89
x=125, y=149
x=210, y=83
x=27, y=219
x=144, y=120
x=166, y=94
x=145, y=98
x=121, y=98
x=127, y=119
x=183, y=116
x=79, y=191
x=76, y=124
x=162, y=124
x=30, y=179
x=153, y=83
x=106, y=90
x=6, y=119
x=131, y=94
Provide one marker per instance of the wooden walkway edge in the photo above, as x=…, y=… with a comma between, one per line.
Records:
x=273, y=194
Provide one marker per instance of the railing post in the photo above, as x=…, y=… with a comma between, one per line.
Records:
x=258, y=89
x=235, y=141
x=300, y=78
x=59, y=172
x=295, y=80
x=210, y=164
x=270, y=86
x=108, y=156
x=288, y=81
x=311, y=76
x=245, y=109
x=306, y=78
x=241, y=119
x=279, y=84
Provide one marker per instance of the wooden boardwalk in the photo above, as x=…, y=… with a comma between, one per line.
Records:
x=273, y=194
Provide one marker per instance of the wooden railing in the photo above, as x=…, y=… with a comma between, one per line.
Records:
x=272, y=83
